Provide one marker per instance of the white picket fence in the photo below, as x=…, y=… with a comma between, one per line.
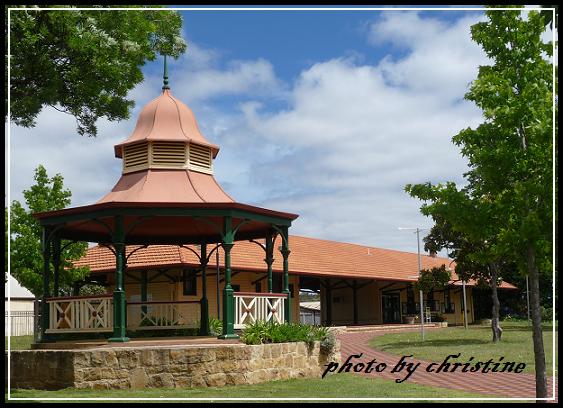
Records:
x=251, y=307
x=21, y=323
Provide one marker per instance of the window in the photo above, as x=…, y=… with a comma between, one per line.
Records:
x=410, y=305
x=448, y=306
x=277, y=283
x=190, y=282
x=236, y=288
x=258, y=287
x=431, y=303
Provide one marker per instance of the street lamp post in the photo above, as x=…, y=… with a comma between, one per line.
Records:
x=420, y=294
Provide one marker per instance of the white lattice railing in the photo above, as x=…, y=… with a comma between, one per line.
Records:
x=251, y=307
x=162, y=315
x=80, y=314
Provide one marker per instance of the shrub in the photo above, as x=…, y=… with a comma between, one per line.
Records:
x=271, y=332
x=215, y=326
x=546, y=314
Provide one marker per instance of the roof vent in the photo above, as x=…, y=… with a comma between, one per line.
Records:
x=168, y=154
x=200, y=158
x=135, y=157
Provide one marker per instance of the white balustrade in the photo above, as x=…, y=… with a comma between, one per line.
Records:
x=162, y=315
x=252, y=307
x=80, y=314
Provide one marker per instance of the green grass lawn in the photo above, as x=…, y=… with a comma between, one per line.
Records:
x=332, y=386
x=516, y=344
x=19, y=342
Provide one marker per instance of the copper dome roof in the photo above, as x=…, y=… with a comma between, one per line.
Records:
x=166, y=118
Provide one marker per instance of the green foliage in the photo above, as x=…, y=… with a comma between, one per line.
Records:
x=435, y=278
x=84, y=62
x=26, y=249
x=261, y=332
x=546, y=314
x=92, y=289
x=215, y=326
x=506, y=203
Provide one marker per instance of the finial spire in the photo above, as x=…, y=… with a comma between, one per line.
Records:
x=165, y=77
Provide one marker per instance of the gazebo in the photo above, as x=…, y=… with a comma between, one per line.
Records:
x=167, y=194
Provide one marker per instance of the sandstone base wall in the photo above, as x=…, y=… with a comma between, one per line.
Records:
x=168, y=366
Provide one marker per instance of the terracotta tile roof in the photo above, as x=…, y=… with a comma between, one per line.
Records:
x=309, y=256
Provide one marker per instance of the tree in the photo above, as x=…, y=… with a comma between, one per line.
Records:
x=510, y=154
x=466, y=226
x=84, y=62
x=26, y=256
x=430, y=279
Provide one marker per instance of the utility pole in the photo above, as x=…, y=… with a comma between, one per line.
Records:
x=420, y=294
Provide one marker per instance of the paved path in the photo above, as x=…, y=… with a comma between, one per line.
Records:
x=511, y=385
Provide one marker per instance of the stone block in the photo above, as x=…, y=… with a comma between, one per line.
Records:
x=235, y=379
x=121, y=384
x=108, y=373
x=97, y=358
x=100, y=385
x=82, y=359
x=216, y=380
x=111, y=359
x=92, y=374
x=161, y=380
x=275, y=350
x=138, y=378
x=128, y=358
x=178, y=356
x=182, y=382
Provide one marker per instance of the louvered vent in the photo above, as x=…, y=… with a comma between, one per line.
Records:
x=169, y=154
x=135, y=157
x=200, y=158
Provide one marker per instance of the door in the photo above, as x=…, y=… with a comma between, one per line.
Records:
x=391, y=308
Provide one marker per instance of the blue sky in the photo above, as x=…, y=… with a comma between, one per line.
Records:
x=327, y=114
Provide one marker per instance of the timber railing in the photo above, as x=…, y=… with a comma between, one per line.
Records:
x=80, y=314
x=253, y=306
x=163, y=315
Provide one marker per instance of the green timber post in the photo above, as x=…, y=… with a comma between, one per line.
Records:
x=144, y=293
x=119, y=301
x=56, y=264
x=204, y=304
x=46, y=272
x=285, y=253
x=355, y=301
x=228, y=298
x=269, y=259
x=328, y=300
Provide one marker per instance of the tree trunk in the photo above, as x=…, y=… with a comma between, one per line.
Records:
x=495, y=324
x=537, y=335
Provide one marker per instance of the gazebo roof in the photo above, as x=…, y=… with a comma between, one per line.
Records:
x=167, y=193
x=166, y=118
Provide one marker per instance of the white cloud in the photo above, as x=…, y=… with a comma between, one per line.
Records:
x=442, y=58
x=352, y=135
